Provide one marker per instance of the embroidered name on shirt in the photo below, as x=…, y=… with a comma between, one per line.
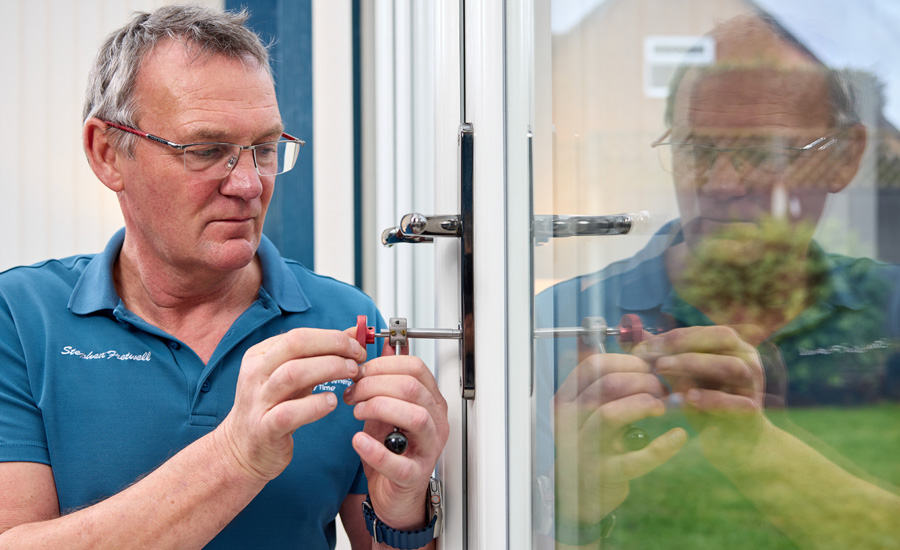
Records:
x=331, y=386
x=845, y=348
x=109, y=354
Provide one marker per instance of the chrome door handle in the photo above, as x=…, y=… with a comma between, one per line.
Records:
x=418, y=228
x=431, y=226
x=555, y=227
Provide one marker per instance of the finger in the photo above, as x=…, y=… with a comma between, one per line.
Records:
x=298, y=377
x=618, y=385
x=613, y=417
x=416, y=421
x=636, y=464
x=401, y=469
x=284, y=418
x=711, y=370
x=351, y=333
x=305, y=342
x=710, y=339
x=387, y=349
x=629, y=343
x=403, y=387
x=408, y=365
x=596, y=366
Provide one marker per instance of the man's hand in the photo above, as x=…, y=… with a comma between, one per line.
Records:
x=722, y=380
x=593, y=408
x=398, y=390
x=274, y=395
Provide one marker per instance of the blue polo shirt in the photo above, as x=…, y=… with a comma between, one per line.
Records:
x=102, y=396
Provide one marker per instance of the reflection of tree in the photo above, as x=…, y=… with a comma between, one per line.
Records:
x=754, y=273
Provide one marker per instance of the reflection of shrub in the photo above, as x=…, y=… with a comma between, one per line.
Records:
x=756, y=274
x=764, y=275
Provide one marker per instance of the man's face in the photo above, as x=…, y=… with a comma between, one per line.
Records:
x=188, y=222
x=755, y=113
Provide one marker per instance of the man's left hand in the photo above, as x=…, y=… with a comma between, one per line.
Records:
x=399, y=390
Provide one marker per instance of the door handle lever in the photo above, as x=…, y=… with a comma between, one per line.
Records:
x=393, y=235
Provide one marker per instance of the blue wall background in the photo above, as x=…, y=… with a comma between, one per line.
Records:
x=288, y=25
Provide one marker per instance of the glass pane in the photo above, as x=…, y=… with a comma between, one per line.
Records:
x=721, y=371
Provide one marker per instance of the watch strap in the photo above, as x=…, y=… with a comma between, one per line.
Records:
x=584, y=534
x=402, y=540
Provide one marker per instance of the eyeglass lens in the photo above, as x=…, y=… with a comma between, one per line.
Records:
x=216, y=160
x=699, y=159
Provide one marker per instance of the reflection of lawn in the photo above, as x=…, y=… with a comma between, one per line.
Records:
x=687, y=504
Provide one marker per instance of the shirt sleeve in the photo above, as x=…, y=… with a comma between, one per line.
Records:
x=22, y=435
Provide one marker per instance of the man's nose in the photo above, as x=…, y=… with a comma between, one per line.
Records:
x=243, y=180
x=724, y=177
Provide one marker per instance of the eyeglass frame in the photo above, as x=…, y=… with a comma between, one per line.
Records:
x=241, y=148
x=829, y=139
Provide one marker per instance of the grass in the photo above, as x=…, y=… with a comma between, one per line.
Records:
x=688, y=504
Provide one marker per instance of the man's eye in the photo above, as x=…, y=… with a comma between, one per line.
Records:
x=267, y=153
x=755, y=156
x=267, y=150
x=206, y=152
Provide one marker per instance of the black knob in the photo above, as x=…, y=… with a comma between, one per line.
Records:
x=396, y=441
x=635, y=439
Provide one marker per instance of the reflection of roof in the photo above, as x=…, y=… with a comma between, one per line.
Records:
x=859, y=35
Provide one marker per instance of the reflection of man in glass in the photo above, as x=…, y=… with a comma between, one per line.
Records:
x=763, y=317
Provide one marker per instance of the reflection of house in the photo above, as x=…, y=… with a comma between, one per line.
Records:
x=606, y=113
x=888, y=178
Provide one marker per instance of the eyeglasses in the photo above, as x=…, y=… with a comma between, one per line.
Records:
x=214, y=160
x=757, y=160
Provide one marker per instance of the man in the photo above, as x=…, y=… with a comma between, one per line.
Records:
x=180, y=389
x=745, y=302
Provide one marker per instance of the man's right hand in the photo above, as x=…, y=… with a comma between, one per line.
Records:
x=275, y=396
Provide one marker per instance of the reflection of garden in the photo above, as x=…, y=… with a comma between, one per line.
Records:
x=688, y=504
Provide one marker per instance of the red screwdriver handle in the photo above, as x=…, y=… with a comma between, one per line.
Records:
x=631, y=329
x=364, y=333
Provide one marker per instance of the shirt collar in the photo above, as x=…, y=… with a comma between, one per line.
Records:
x=95, y=290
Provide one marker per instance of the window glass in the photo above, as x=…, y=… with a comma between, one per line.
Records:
x=719, y=366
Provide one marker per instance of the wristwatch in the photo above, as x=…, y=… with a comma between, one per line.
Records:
x=409, y=540
x=546, y=522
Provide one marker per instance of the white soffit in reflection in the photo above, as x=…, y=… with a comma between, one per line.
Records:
x=663, y=55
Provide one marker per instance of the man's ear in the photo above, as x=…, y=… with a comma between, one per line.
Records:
x=101, y=154
x=854, y=142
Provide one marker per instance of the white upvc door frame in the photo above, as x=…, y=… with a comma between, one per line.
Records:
x=489, y=460
x=487, y=488
x=452, y=468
